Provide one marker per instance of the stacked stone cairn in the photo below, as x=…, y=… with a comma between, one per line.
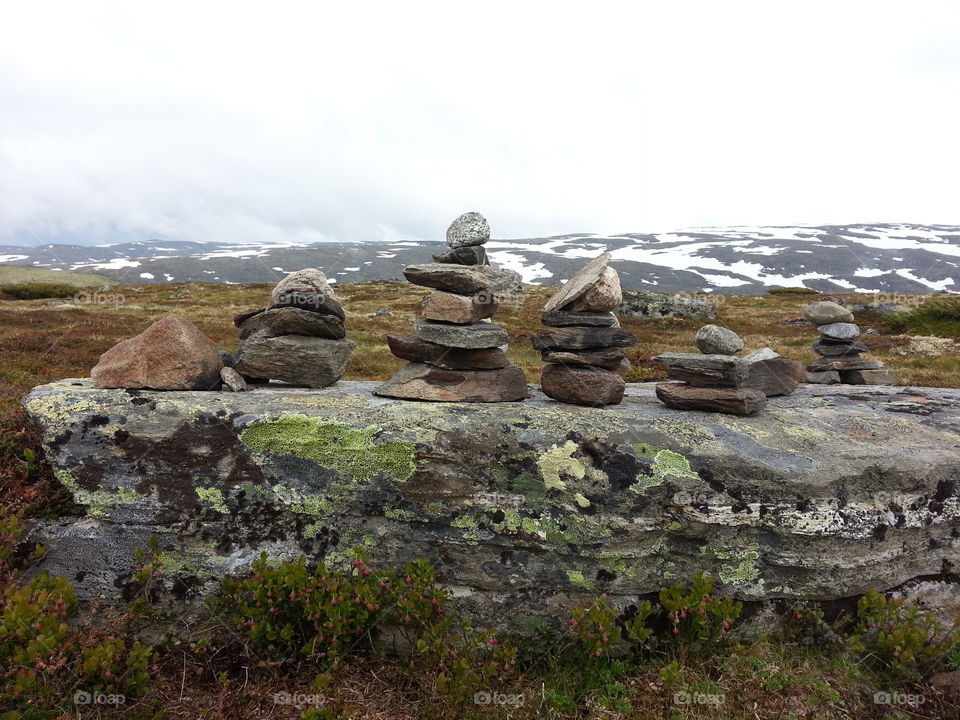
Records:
x=582, y=347
x=718, y=381
x=457, y=354
x=300, y=339
x=839, y=349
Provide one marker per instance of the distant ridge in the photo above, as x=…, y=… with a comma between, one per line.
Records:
x=886, y=258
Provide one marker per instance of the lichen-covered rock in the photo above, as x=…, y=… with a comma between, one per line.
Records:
x=469, y=229
x=716, y=340
x=825, y=312
x=171, y=354
x=311, y=361
x=645, y=304
x=525, y=508
x=475, y=336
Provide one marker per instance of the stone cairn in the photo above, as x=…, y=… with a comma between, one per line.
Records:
x=300, y=339
x=839, y=349
x=457, y=354
x=585, y=365
x=718, y=381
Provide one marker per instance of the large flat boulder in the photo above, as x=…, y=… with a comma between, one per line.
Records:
x=524, y=507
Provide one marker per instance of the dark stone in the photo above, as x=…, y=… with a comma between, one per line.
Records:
x=828, y=364
x=416, y=349
x=581, y=385
x=704, y=370
x=292, y=321
x=246, y=314
x=561, y=318
x=869, y=377
x=465, y=280
x=581, y=338
x=723, y=400
x=478, y=335
x=468, y=255
x=606, y=358
x=774, y=376
x=835, y=349
x=311, y=361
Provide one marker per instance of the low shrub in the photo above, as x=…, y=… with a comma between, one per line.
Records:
x=938, y=316
x=36, y=291
x=792, y=291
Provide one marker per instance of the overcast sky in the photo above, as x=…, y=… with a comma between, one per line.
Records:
x=368, y=120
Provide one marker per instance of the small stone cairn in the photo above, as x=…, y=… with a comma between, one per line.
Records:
x=300, y=339
x=718, y=381
x=582, y=348
x=839, y=349
x=457, y=354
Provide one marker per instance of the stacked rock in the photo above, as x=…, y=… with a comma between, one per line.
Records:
x=717, y=381
x=839, y=349
x=585, y=365
x=299, y=339
x=457, y=354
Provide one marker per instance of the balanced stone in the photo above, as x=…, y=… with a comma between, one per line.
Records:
x=469, y=255
x=774, y=375
x=575, y=287
x=323, y=304
x=724, y=400
x=308, y=281
x=464, y=280
x=581, y=385
x=292, y=321
x=461, y=309
x=606, y=358
x=826, y=312
x=478, y=335
x=714, y=371
x=561, y=318
x=869, y=377
x=835, y=349
x=418, y=381
x=582, y=338
x=416, y=349
x=824, y=377
x=171, y=354
x=839, y=331
x=716, y=340
x=469, y=229
x=311, y=361
x=246, y=314
x=604, y=295
x=828, y=364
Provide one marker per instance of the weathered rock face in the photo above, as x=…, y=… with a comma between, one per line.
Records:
x=524, y=507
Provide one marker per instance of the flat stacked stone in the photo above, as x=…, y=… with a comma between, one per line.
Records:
x=840, y=350
x=585, y=365
x=457, y=354
x=718, y=381
x=299, y=339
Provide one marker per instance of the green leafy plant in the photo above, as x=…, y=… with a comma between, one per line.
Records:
x=907, y=641
x=695, y=615
x=111, y=666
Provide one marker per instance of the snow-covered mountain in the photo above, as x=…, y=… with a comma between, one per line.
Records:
x=742, y=260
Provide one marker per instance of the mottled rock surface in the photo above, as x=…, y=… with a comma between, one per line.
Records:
x=577, y=286
x=291, y=321
x=453, y=308
x=417, y=381
x=469, y=229
x=825, y=312
x=416, y=349
x=716, y=340
x=311, y=361
x=526, y=508
x=581, y=385
x=734, y=401
x=475, y=336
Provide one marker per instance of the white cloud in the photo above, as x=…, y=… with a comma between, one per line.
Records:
x=298, y=122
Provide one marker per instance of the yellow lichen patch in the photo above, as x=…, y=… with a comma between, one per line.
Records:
x=559, y=461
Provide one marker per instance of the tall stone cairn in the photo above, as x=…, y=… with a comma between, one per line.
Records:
x=715, y=380
x=840, y=349
x=300, y=339
x=582, y=347
x=457, y=354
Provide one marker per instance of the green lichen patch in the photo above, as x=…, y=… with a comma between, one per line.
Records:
x=98, y=502
x=214, y=497
x=559, y=461
x=352, y=452
x=666, y=463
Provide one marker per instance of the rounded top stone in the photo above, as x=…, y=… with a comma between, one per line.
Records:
x=469, y=229
x=825, y=312
x=307, y=281
x=716, y=340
